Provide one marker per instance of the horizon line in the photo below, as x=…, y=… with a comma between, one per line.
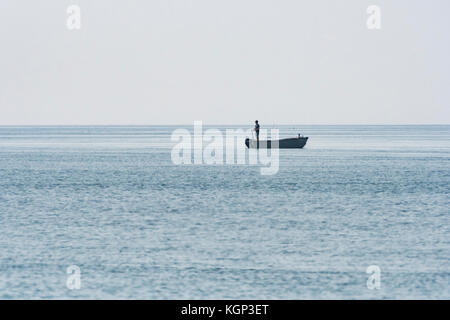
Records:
x=225, y=124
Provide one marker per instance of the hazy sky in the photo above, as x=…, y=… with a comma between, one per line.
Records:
x=229, y=62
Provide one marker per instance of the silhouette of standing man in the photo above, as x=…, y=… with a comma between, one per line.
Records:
x=257, y=133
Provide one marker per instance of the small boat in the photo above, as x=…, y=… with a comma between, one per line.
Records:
x=289, y=143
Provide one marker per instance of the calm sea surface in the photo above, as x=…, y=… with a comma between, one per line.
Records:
x=110, y=201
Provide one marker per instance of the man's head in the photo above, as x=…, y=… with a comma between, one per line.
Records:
x=256, y=121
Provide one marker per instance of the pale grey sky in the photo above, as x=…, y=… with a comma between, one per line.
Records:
x=224, y=62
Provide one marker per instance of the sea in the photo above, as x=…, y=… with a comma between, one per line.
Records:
x=104, y=212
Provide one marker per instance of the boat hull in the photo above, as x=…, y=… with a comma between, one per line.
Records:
x=290, y=143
